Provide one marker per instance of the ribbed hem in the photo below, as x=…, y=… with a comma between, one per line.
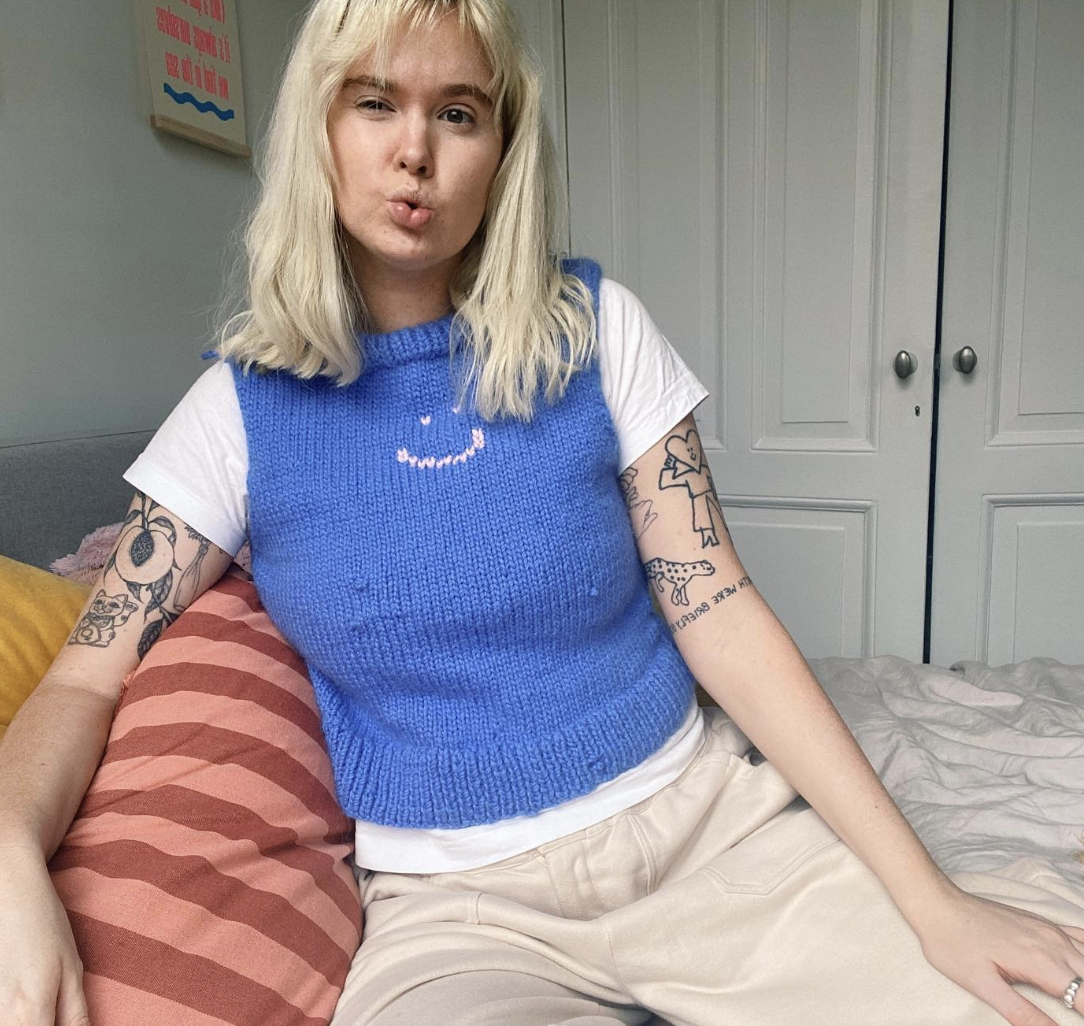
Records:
x=385, y=781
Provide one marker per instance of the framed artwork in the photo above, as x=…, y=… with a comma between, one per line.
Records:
x=194, y=70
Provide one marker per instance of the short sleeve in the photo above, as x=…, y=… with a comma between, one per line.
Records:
x=647, y=386
x=196, y=465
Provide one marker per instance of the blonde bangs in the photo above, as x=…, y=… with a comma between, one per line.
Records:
x=520, y=323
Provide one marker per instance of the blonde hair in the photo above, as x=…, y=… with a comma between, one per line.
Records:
x=519, y=320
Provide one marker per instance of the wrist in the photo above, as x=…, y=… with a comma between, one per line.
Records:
x=924, y=903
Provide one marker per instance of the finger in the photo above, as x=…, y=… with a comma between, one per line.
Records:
x=1076, y=932
x=1014, y=1007
x=71, y=1003
x=1078, y=1000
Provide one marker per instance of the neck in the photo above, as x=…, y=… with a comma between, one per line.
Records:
x=395, y=300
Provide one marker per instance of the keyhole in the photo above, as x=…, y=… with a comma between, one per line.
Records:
x=917, y=411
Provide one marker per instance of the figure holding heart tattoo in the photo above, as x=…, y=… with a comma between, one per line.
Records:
x=685, y=467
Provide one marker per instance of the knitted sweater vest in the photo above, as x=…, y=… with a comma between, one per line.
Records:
x=468, y=596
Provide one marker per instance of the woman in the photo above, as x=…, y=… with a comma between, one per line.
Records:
x=548, y=830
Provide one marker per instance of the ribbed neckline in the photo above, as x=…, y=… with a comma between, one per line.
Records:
x=419, y=341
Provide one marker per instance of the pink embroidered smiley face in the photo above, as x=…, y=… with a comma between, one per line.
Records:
x=478, y=442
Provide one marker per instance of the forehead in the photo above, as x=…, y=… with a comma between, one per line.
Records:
x=424, y=50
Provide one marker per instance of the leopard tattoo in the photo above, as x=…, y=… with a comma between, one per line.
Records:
x=678, y=574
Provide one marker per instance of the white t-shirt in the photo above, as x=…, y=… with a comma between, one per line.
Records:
x=196, y=465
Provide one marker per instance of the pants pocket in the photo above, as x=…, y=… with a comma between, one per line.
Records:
x=760, y=862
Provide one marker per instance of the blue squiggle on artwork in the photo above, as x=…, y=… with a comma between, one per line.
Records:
x=203, y=108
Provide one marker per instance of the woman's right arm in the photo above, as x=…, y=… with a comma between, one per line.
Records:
x=53, y=746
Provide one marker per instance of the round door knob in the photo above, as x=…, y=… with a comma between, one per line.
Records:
x=905, y=364
x=964, y=360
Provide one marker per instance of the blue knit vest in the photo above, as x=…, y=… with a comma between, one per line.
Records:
x=468, y=596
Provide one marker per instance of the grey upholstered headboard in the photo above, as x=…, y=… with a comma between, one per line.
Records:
x=54, y=493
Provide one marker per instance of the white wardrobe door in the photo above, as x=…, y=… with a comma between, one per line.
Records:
x=766, y=176
x=1008, y=571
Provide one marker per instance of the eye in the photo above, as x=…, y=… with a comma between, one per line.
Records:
x=458, y=116
x=371, y=103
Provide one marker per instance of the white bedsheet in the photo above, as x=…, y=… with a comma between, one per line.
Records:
x=987, y=764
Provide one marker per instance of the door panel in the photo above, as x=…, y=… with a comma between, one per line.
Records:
x=540, y=21
x=814, y=564
x=1036, y=566
x=1009, y=510
x=646, y=166
x=729, y=162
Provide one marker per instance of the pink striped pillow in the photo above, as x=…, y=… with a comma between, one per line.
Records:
x=206, y=874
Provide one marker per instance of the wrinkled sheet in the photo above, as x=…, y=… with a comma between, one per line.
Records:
x=987, y=764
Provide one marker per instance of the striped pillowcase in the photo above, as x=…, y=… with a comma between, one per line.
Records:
x=205, y=875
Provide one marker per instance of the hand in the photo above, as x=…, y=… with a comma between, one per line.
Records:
x=986, y=946
x=40, y=971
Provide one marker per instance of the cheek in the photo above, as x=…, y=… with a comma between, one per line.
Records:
x=352, y=160
x=480, y=183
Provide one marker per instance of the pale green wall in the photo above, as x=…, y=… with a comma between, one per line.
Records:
x=113, y=236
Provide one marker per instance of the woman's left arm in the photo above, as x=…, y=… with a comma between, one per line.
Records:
x=743, y=657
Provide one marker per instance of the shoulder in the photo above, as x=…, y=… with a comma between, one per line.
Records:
x=620, y=305
x=211, y=397
x=624, y=324
x=619, y=310
x=587, y=270
x=216, y=382
x=209, y=414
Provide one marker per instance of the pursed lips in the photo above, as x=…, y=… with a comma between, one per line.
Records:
x=409, y=210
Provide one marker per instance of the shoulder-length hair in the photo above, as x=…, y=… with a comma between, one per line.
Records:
x=520, y=322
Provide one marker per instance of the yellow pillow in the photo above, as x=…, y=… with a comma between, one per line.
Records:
x=37, y=612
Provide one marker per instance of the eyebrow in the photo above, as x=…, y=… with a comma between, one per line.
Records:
x=382, y=85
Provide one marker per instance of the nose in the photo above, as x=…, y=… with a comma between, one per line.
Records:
x=414, y=153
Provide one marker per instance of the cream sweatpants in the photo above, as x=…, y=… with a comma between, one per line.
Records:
x=722, y=900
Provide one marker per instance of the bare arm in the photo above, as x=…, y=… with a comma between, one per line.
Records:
x=54, y=744
x=743, y=657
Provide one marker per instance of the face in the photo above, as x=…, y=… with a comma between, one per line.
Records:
x=416, y=153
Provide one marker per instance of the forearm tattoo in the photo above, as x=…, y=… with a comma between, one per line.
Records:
x=679, y=575
x=685, y=467
x=640, y=512
x=143, y=563
x=731, y=589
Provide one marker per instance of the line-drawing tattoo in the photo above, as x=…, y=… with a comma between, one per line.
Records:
x=144, y=559
x=685, y=619
x=640, y=511
x=188, y=588
x=678, y=574
x=694, y=614
x=685, y=467
x=722, y=596
x=99, y=624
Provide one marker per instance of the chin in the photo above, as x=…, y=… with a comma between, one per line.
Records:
x=414, y=261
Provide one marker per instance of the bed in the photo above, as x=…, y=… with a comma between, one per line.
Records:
x=987, y=763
